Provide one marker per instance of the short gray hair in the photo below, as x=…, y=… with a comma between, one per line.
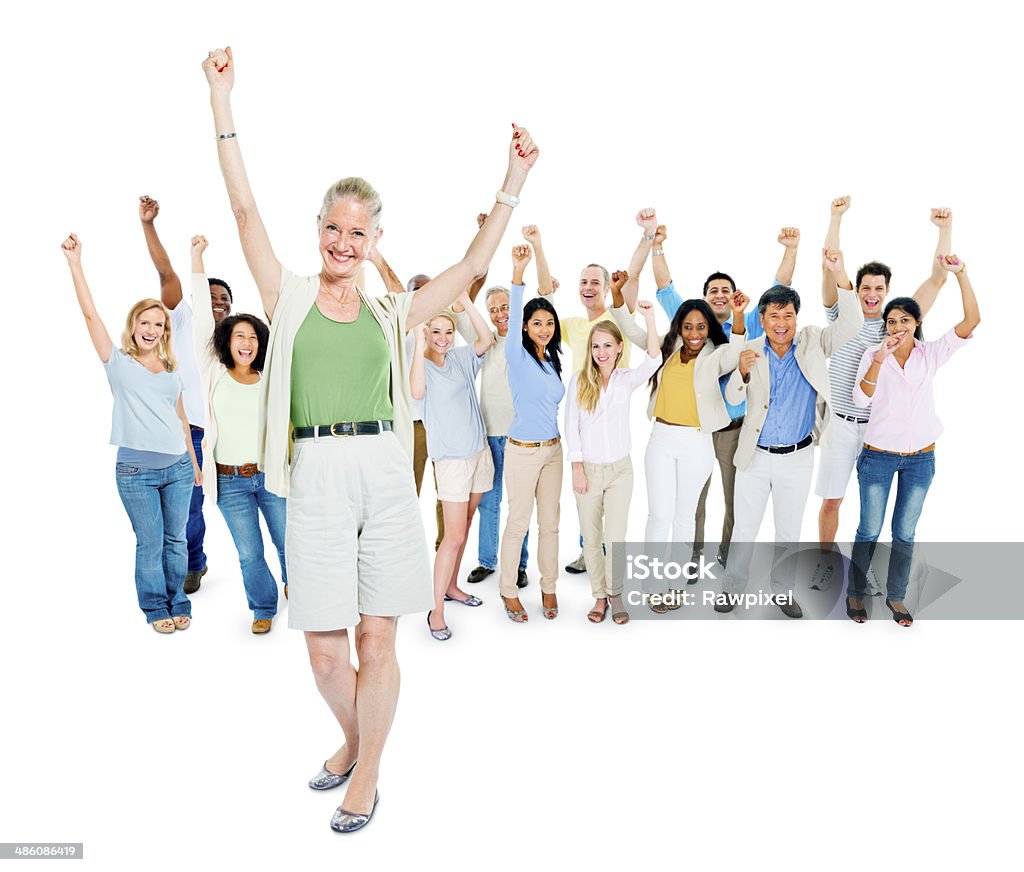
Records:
x=495, y=289
x=357, y=189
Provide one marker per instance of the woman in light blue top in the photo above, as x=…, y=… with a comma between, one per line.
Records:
x=156, y=463
x=533, y=453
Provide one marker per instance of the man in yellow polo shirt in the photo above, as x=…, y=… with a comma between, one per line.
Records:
x=593, y=293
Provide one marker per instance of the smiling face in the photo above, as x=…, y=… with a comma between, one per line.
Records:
x=440, y=335
x=779, y=323
x=718, y=296
x=244, y=344
x=149, y=328
x=540, y=328
x=592, y=288
x=871, y=291
x=694, y=332
x=497, y=309
x=346, y=235
x=901, y=324
x=605, y=350
x=221, y=301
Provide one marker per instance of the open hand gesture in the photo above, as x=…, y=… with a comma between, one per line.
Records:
x=219, y=67
x=72, y=249
x=148, y=209
x=789, y=237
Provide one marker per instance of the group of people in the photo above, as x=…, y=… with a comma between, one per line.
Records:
x=322, y=423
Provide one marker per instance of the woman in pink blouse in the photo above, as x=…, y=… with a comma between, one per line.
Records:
x=896, y=380
x=597, y=433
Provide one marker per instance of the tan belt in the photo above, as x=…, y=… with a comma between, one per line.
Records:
x=246, y=470
x=546, y=442
x=901, y=453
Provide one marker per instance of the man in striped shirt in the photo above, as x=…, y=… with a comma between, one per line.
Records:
x=845, y=435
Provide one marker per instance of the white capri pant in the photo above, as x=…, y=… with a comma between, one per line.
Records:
x=839, y=457
x=677, y=463
x=354, y=535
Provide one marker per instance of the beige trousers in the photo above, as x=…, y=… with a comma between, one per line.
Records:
x=531, y=475
x=603, y=511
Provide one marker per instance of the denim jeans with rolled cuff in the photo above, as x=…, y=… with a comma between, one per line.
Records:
x=157, y=501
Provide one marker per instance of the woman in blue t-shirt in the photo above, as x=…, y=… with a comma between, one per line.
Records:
x=445, y=379
x=156, y=463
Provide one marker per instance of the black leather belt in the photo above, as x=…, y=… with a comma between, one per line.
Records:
x=852, y=420
x=787, y=449
x=342, y=428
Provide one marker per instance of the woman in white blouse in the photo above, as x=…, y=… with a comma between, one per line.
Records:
x=597, y=434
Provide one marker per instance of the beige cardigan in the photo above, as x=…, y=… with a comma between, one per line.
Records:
x=298, y=295
x=813, y=346
x=711, y=364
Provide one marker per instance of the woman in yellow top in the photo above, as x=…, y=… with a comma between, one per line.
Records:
x=687, y=406
x=336, y=385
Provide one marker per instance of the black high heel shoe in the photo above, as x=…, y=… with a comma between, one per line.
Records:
x=859, y=616
x=904, y=619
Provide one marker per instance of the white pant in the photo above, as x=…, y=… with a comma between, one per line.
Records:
x=677, y=463
x=786, y=478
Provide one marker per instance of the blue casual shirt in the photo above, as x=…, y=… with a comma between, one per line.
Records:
x=791, y=401
x=145, y=413
x=536, y=388
x=670, y=301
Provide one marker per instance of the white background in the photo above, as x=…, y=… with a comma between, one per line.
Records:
x=722, y=744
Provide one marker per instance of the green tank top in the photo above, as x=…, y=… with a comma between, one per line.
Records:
x=340, y=372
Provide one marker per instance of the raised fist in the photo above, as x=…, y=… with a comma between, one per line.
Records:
x=480, y=218
x=789, y=237
x=523, y=152
x=739, y=301
x=833, y=259
x=840, y=205
x=942, y=217
x=72, y=249
x=531, y=233
x=219, y=67
x=521, y=255
x=148, y=209
x=647, y=219
x=199, y=244
x=660, y=235
x=646, y=308
x=747, y=360
x=951, y=262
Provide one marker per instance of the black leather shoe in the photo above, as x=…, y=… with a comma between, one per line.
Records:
x=478, y=574
x=521, y=579
x=723, y=608
x=792, y=610
x=193, y=580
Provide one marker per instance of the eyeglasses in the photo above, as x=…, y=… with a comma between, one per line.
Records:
x=494, y=310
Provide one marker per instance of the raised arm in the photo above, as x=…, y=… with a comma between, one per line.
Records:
x=662, y=275
x=531, y=233
x=479, y=281
x=972, y=315
x=829, y=293
x=648, y=220
x=928, y=291
x=264, y=266
x=627, y=324
x=646, y=309
x=417, y=371
x=484, y=337
x=521, y=255
x=170, y=284
x=203, y=323
x=442, y=291
x=789, y=239
x=833, y=268
x=391, y=282
x=72, y=249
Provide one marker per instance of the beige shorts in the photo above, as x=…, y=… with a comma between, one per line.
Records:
x=457, y=479
x=354, y=535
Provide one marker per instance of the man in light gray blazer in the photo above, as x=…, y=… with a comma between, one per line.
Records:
x=784, y=379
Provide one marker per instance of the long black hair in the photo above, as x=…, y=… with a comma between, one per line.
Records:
x=553, y=350
x=221, y=340
x=908, y=305
x=668, y=345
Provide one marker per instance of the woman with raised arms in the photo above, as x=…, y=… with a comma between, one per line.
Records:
x=445, y=379
x=599, y=443
x=336, y=382
x=156, y=462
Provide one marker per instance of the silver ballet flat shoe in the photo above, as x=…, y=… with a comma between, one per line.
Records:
x=473, y=601
x=442, y=635
x=348, y=822
x=325, y=779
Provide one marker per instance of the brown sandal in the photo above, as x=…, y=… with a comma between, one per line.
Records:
x=596, y=615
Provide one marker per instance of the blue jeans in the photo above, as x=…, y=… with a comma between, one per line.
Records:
x=875, y=471
x=490, y=511
x=240, y=501
x=195, y=532
x=156, y=501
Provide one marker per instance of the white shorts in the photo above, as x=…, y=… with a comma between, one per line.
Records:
x=354, y=535
x=846, y=439
x=457, y=479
